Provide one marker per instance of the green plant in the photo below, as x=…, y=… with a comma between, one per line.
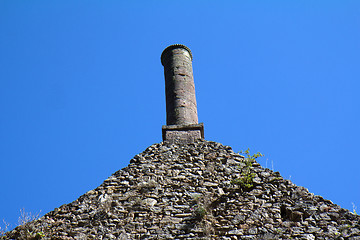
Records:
x=246, y=180
x=354, y=208
x=249, y=157
x=200, y=212
x=25, y=228
x=199, y=204
x=39, y=235
x=31, y=235
x=196, y=197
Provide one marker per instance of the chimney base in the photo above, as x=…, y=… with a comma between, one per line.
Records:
x=182, y=134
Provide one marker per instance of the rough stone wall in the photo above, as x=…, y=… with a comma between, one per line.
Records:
x=191, y=192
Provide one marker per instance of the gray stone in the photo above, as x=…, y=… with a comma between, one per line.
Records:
x=150, y=202
x=175, y=192
x=313, y=229
x=181, y=110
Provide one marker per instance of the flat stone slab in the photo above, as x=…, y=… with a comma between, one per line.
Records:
x=182, y=134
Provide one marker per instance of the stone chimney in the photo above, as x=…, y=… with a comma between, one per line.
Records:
x=181, y=111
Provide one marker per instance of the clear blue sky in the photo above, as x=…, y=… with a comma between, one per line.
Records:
x=82, y=90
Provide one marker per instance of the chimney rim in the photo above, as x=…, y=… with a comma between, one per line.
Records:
x=174, y=46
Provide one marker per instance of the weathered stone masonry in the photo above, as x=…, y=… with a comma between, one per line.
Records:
x=181, y=109
x=187, y=192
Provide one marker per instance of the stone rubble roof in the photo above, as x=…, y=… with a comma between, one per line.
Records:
x=193, y=192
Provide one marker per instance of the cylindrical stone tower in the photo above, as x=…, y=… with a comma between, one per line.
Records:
x=179, y=86
x=181, y=110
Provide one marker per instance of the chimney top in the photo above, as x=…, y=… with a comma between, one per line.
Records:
x=171, y=47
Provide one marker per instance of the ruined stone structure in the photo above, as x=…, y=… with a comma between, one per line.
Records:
x=190, y=188
x=181, y=110
x=192, y=191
